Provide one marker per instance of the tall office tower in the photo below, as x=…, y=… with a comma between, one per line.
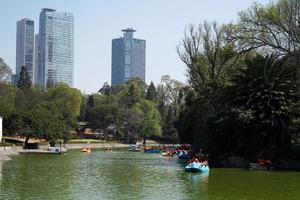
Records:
x=36, y=58
x=25, y=48
x=55, y=48
x=128, y=58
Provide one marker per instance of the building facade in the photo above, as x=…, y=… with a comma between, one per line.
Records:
x=25, y=48
x=55, y=48
x=128, y=58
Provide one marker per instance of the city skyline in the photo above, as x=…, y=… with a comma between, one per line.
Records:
x=162, y=24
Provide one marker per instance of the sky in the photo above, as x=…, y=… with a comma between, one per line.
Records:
x=160, y=22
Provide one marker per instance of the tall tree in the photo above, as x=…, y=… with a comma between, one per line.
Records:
x=264, y=94
x=24, y=81
x=68, y=100
x=206, y=53
x=148, y=119
x=106, y=90
x=273, y=27
x=151, y=93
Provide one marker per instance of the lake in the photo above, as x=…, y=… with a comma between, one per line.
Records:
x=134, y=175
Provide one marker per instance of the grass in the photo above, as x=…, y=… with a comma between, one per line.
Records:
x=4, y=144
x=84, y=141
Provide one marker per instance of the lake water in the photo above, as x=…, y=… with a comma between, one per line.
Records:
x=134, y=175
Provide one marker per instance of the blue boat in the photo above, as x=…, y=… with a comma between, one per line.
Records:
x=196, y=167
x=151, y=150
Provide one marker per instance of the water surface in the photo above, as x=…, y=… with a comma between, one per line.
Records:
x=134, y=175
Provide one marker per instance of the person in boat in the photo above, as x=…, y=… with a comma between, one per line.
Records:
x=205, y=162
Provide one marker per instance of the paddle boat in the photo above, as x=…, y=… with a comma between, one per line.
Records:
x=86, y=150
x=261, y=164
x=167, y=154
x=151, y=150
x=135, y=147
x=108, y=148
x=197, y=166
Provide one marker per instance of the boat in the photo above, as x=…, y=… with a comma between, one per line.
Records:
x=151, y=150
x=261, y=164
x=184, y=155
x=108, y=148
x=256, y=166
x=197, y=167
x=86, y=150
x=167, y=154
x=50, y=150
x=135, y=147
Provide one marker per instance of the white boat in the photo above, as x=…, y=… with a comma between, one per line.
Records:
x=135, y=147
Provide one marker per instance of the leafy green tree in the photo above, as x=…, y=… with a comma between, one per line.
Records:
x=90, y=101
x=151, y=93
x=24, y=81
x=148, y=119
x=207, y=55
x=264, y=93
x=273, y=27
x=106, y=90
x=102, y=115
x=5, y=72
x=68, y=101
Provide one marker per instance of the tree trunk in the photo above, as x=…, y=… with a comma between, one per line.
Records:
x=144, y=142
x=26, y=142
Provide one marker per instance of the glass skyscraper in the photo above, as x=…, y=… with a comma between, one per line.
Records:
x=25, y=48
x=55, y=48
x=128, y=58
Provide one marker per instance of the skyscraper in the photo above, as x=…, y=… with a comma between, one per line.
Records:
x=25, y=48
x=55, y=48
x=128, y=58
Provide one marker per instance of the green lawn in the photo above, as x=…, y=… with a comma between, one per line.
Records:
x=76, y=141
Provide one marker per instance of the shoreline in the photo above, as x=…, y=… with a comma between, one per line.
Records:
x=6, y=152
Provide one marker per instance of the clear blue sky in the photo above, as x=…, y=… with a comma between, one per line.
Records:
x=97, y=22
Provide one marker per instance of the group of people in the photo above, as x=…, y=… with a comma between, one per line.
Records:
x=196, y=160
x=263, y=162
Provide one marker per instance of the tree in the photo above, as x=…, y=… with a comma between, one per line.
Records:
x=148, y=119
x=273, y=27
x=174, y=92
x=68, y=101
x=264, y=95
x=5, y=72
x=206, y=53
x=106, y=90
x=151, y=93
x=24, y=81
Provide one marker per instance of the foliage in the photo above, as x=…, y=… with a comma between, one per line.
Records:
x=151, y=93
x=24, y=81
x=5, y=72
x=148, y=118
x=264, y=93
x=34, y=112
x=273, y=27
x=242, y=101
x=68, y=101
x=206, y=54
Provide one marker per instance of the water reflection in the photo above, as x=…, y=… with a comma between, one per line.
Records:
x=199, y=179
x=0, y=171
